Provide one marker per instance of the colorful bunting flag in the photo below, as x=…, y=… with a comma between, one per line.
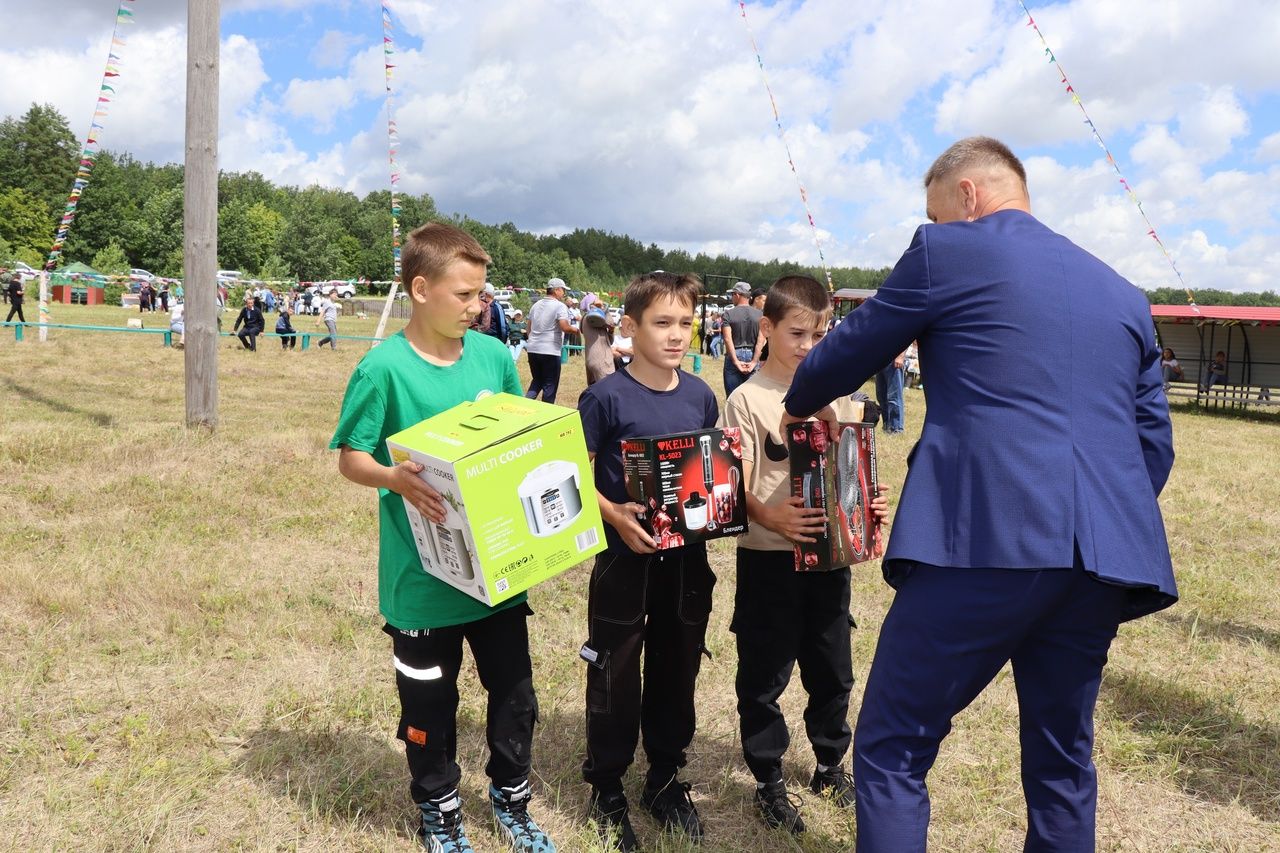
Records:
x=89, y=154
x=782, y=134
x=1097, y=138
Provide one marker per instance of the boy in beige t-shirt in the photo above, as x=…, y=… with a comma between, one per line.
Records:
x=782, y=617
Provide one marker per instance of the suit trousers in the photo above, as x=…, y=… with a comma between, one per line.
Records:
x=656, y=605
x=782, y=617
x=948, y=633
x=427, y=664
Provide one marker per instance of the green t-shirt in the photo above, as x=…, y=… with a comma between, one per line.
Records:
x=392, y=389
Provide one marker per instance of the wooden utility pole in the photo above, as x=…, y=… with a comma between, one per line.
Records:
x=200, y=214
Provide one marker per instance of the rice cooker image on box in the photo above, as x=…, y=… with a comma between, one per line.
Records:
x=551, y=497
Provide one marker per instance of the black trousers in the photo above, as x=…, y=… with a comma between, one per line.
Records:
x=16, y=308
x=544, y=373
x=427, y=664
x=249, y=338
x=782, y=617
x=655, y=605
x=287, y=340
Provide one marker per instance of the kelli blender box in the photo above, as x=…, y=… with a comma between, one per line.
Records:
x=521, y=502
x=836, y=474
x=690, y=484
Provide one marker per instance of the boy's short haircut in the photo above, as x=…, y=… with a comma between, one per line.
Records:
x=647, y=288
x=796, y=293
x=430, y=249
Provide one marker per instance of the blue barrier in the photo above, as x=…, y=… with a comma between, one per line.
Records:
x=565, y=349
x=305, y=337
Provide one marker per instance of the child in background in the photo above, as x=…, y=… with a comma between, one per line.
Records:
x=284, y=328
x=782, y=617
x=642, y=600
x=433, y=365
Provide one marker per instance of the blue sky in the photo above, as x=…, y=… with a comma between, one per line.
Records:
x=651, y=119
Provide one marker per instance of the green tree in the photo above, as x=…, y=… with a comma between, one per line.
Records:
x=111, y=260
x=39, y=154
x=23, y=222
x=160, y=238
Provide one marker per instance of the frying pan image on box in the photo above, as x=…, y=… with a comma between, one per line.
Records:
x=851, y=488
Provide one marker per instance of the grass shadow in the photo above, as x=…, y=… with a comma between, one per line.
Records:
x=1199, y=625
x=723, y=799
x=1215, y=752
x=347, y=776
x=101, y=419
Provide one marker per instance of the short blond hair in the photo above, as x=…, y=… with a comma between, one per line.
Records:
x=430, y=249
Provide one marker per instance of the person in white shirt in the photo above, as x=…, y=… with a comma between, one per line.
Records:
x=328, y=308
x=548, y=323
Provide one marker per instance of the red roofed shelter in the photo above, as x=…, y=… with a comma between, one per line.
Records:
x=1250, y=336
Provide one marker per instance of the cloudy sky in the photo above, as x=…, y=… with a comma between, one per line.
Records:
x=651, y=118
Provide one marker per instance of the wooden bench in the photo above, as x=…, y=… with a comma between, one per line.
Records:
x=1241, y=396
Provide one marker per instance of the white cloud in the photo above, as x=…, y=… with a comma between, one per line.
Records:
x=333, y=48
x=652, y=119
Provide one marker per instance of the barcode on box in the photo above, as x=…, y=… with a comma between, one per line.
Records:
x=586, y=539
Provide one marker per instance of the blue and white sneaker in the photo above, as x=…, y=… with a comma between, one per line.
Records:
x=511, y=814
x=441, y=830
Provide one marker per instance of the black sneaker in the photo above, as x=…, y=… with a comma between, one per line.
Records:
x=778, y=807
x=834, y=784
x=672, y=805
x=609, y=811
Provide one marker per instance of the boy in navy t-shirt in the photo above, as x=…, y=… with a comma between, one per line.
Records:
x=641, y=598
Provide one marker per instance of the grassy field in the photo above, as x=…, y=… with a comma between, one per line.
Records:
x=190, y=654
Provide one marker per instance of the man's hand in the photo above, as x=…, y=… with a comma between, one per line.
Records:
x=826, y=413
x=406, y=483
x=623, y=519
x=899, y=362
x=795, y=522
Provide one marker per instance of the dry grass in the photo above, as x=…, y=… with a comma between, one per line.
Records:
x=190, y=654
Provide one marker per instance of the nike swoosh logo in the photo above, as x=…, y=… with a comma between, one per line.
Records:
x=773, y=451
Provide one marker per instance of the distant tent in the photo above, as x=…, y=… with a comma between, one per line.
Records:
x=79, y=273
x=78, y=283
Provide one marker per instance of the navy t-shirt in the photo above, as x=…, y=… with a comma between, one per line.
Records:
x=618, y=407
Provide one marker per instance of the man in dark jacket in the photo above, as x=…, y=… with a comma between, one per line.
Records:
x=251, y=318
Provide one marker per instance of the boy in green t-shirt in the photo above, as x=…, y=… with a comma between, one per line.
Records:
x=782, y=617
x=431, y=366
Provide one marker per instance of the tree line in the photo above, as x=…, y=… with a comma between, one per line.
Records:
x=130, y=215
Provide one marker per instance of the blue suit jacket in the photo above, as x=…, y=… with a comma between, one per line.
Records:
x=1047, y=428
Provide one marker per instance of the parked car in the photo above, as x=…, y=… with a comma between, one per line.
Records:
x=346, y=289
x=139, y=276
x=229, y=276
x=504, y=296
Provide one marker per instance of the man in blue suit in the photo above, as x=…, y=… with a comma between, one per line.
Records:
x=1028, y=528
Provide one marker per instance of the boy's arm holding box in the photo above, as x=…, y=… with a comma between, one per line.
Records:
x=789, y=519
x=360, y=467
x=358, y=434
x=622, y=518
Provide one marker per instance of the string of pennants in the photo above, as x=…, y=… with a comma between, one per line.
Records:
x=1111, y=160
x=89, y=153
x=393, y=137
x=782, y=134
